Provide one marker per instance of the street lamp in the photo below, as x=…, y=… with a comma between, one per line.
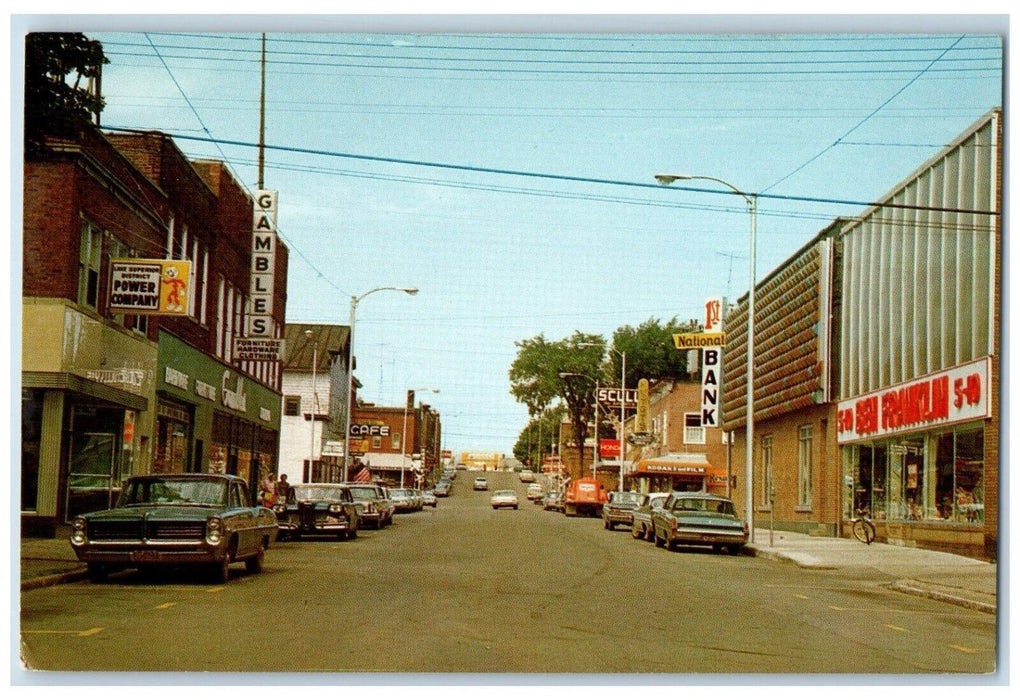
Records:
x=350, y=366
x=595, y=441
x=403, y=435
x=752, y=207
x=315, y=406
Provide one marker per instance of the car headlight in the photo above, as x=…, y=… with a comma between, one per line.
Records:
x=78, y=531
x=336, y=508
x=280, y=509
x=213, y=531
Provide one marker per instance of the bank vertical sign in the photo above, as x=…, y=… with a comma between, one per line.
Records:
x=711, y=365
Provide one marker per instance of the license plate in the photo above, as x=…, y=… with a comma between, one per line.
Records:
x=145, y=556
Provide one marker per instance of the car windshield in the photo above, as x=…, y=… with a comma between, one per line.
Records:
x=626, y=497
x=309, y=492
x=503, y=494
x=400, y=493
x=656, y=502
x=364, y=492
x=702, y=505
x=149, y=491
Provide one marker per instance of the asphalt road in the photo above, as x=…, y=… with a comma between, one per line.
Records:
x=465, y=589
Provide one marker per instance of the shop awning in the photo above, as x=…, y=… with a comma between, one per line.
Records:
x=676, y=465
x=386, y=460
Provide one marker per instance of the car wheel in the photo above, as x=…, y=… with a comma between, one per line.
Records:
x=221, y=570
x=734, y=549
x=352, y=535
x=515, y=507
x=659, y=541
x=254, y=564
x=635, y=533
x=97, y=573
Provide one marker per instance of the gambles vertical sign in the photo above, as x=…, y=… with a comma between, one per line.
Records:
x=263, y=265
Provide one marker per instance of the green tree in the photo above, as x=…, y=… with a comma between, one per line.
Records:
x=564, y=369
x=542, y=427
x=650, y=351
x=56, y=101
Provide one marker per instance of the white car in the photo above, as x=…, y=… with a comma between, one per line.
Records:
x=503, y=499
x=535, y=492
x=527, y=476
x=481, y=484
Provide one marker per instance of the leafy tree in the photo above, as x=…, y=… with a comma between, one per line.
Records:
x=542, y=427
x=56, y=103
x=564, y=369
x=651, y=353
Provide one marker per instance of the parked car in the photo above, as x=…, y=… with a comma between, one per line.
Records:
x=442, y=488
x=503, y=499
x=404, y=501
x=641, y=527
x=619, y=509
x=318, y=509
x=429, y=498
x=375, y=509
x=553, y=501
x=535, y=492
x=176, y=520
x=699, y=519
x=481, y=484
x=527, y=476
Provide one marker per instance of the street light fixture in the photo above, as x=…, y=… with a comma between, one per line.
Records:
x=752, y=207
x=350, y=366
x=403, y=434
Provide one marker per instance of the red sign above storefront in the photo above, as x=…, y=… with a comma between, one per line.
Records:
x=609, y=448
x=952, y=396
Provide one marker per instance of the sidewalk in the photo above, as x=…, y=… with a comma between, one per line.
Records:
x=947, y=577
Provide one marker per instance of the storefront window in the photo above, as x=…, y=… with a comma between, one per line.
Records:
x=94, y=459
x=938, y=477
x=31, y=434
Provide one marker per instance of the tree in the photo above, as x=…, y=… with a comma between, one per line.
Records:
x=541, y=427
x=651, y=353
x=56, y=105
x=566, y=369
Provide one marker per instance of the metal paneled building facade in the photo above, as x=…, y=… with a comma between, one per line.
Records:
x=919, y=350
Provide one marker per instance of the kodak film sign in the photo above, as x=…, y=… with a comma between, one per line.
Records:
x=263, y=265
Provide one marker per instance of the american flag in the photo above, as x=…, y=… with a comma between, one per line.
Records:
x=363, y=475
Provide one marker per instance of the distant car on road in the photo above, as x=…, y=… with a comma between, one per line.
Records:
x=503, y=499
x=318, y=509
x=481, y=484
x=619, y=509
x=527, y=476
x=553, y=501
x=429, y=498
x=442, y=488
x=403, y=500
x=375, y=509
x=535, y=492
x=641, y=527
x=698, y=518
x=168, y=520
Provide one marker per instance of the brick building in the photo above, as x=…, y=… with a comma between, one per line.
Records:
x=106, y=395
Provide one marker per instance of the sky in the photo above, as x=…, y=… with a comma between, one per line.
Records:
x=505, y=166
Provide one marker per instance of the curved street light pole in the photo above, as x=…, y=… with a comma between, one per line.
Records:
x=752, y=206
x=350, y=366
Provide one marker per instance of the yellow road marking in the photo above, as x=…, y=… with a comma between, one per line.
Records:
x=164, y=606
x=77, y=633
x=894, y=627
x=965, y=650
x=217, y=589
x=802, y=597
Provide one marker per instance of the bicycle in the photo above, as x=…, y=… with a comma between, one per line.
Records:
x=863, y=528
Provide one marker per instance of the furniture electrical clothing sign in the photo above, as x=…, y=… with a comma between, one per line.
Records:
x=155, y=287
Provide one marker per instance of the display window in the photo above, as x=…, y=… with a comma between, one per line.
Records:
x=173, y=439
x=933, y=477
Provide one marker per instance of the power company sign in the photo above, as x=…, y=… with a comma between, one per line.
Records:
x=260, y=343
x=951, y=396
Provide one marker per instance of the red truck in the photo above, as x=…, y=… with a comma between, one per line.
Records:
x=584, y=497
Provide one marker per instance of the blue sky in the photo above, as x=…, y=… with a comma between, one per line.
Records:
x=547, y=218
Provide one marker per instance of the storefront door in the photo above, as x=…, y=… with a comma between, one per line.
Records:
x=94, y=459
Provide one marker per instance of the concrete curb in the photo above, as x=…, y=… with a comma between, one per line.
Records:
x=804, y=561
x=54, y=579
x=912, y=588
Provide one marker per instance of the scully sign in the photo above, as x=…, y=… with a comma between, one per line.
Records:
x=952, y=396
x=149, y=287
x=263, y=264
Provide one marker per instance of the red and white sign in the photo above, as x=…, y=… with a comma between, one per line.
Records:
x=952, y=396
x=609, y=448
